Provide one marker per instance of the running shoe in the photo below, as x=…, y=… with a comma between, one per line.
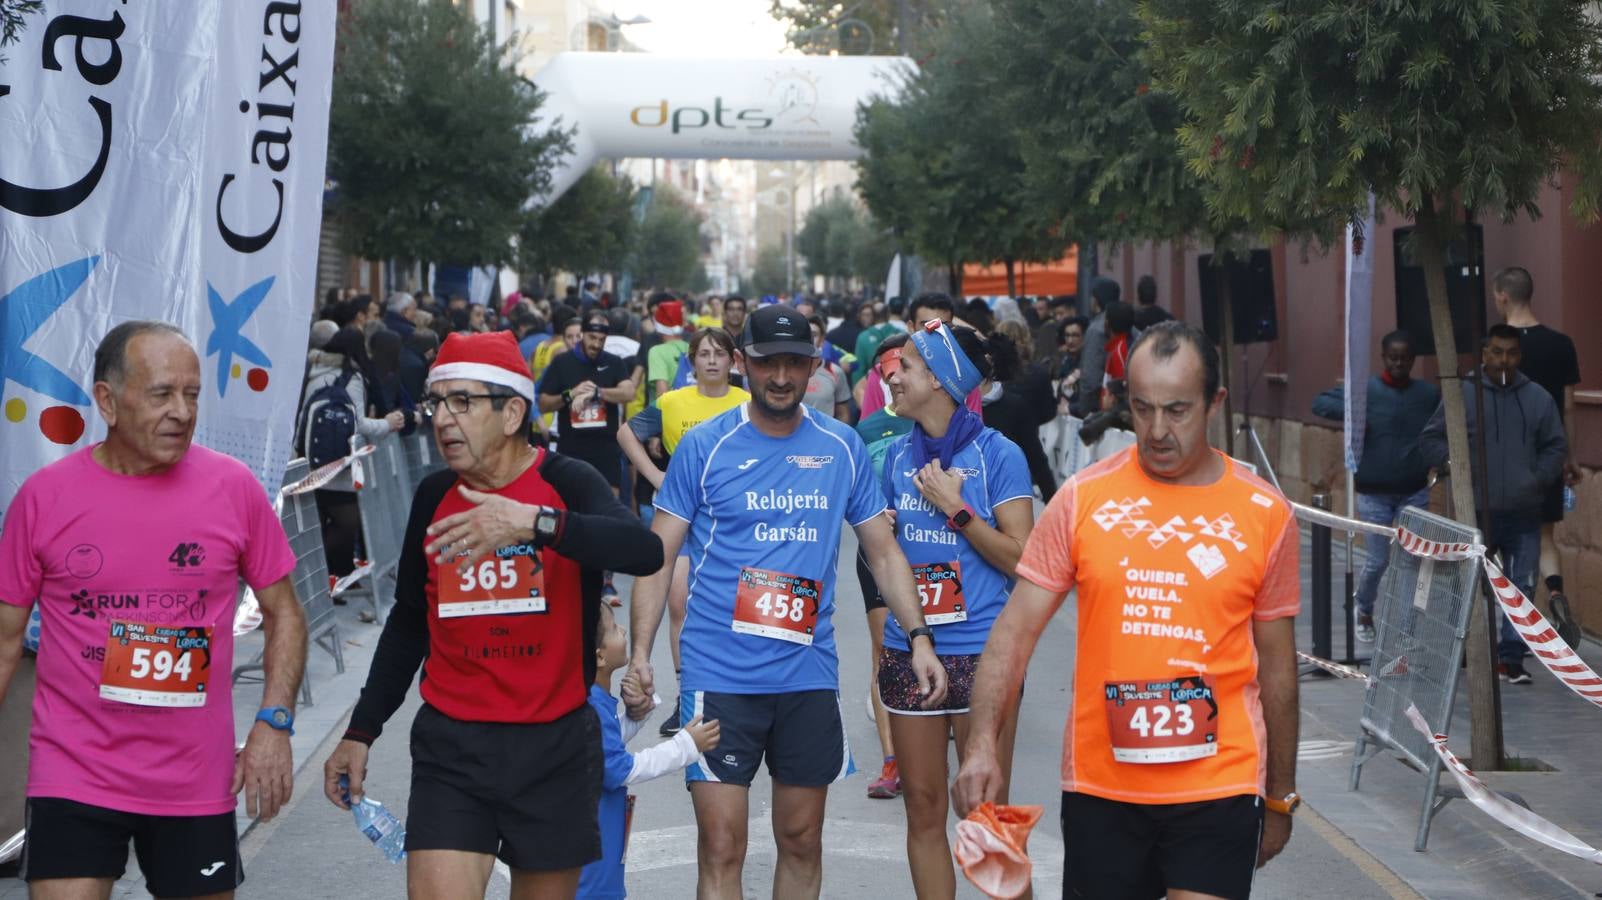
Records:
x=1563, y=620
x=1365, y=629
x=671, y=726
x=1516, y=674
x=609, y=594
x=888, y=784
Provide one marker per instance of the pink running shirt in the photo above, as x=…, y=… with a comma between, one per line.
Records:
x=134, y=708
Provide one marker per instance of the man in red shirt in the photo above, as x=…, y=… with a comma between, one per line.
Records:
x=499, y=587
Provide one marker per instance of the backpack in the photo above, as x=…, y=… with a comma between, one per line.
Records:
x=329, y=422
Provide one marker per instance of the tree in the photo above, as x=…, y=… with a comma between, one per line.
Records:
x=429, y=139
x=667, y=253
x=827, y=236
x=942, y=164
x=591, y=228
x=871, y=256
x=1437, y=107
x=11, y=22
x=771, y=271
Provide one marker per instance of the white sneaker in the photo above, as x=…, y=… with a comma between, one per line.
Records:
x=1365, y=631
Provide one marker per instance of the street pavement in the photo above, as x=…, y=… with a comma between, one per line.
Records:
x=1349, y=845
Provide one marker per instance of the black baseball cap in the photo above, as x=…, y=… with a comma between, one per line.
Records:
x=777, y=330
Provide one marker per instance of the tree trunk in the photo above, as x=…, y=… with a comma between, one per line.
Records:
x=1484, y=697
x=1012, y=290
x=1226, y=343
x=954, y=279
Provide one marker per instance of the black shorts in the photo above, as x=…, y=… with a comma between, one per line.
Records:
x=1132, y=851
x=871, y=598
x=180, y=856
x=526, y=793
x=801, y=734
x=898, y=683
x=1552, y=504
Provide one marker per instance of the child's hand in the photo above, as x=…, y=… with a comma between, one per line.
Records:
x=635, y=700
x=705, y=733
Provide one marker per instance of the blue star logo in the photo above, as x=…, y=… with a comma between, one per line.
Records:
x=227, y=319
x=22, y=312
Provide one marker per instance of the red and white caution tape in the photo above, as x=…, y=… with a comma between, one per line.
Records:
x=1498, y=807
x=1558, y=657
x=325, y=473
x=344, y=584
x=1332, y=667
x=1542, y=639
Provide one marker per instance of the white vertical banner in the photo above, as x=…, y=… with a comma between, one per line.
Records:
x=1359, y=318
x=160, y=161
x=261, y=211
x=892, y=279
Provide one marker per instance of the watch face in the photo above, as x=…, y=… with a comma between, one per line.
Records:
x=281, y=718
x=963, y=517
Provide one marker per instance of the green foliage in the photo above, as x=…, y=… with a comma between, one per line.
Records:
x=590, y=228
x=1296, y=112
x=827, y=236
x=667, y=253
x=429, y=139
x=769, y=276
x=11, y=19
x=943, y=164
x=1098, y=144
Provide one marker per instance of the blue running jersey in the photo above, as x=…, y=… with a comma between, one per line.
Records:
x=994, y=472
x=765, y=520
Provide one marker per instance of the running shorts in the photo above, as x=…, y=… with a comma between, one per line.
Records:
x=180, y=856
x=526, y=793
x=1132, y=851
x=801, y=734
x=898, y=683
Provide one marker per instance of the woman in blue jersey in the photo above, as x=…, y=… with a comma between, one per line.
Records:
x=964, y=506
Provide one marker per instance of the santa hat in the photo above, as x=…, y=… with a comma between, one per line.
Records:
x=669, y=318
x=491, y=357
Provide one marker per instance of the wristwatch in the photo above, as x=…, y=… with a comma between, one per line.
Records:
x=567, y=397
x=547, y=526
x=1285, y=805
x=279, y=718
x=961, y=519
x=921, y=631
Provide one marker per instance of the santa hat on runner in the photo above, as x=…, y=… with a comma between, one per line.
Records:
x=491, y=357
x=669, y=318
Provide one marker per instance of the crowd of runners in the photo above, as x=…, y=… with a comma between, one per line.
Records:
x=1179, y=752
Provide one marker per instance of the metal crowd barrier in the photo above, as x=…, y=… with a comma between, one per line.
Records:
x=1421, y=618
x=303, y=527
x=1069, y=454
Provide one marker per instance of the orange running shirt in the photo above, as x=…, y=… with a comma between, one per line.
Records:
x=1165, y=704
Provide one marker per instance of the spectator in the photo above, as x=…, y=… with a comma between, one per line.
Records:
x=342, y=361
x=1524, y=454
x=417, y=354
x=389, y=394
x=977, y=315
x=477, y=320
x=1048, y=334
x=461, y=320
x=1120, y=325
x=1104, y=292
x=400, y=314
x=456, y=302
x=850, y=328
x=1549, y=360
x=1147, y=312
x=734, y=308
x=1022, y=401
x=1390, y=474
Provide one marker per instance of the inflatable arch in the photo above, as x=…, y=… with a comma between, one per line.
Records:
x=684, y=107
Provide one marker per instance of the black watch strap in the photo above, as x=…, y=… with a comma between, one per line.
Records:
x=921, y=631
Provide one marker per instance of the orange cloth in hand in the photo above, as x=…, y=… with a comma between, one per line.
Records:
x=993, y=848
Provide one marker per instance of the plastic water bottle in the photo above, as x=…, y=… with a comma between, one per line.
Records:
x=378, y=824
x=1569, y=499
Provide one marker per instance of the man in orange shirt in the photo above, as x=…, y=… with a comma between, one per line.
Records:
x=1179, y=753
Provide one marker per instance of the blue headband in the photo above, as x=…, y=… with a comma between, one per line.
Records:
x=937, y=346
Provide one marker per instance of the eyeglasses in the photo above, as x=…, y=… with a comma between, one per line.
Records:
x=458, y=403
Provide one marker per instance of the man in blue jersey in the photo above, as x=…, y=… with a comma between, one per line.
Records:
x=762, y=493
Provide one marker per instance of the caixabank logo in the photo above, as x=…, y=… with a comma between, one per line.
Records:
x=792, y=100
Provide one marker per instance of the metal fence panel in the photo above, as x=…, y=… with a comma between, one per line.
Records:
x=1421, y=619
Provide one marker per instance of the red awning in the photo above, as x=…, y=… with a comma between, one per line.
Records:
x=1030, y=279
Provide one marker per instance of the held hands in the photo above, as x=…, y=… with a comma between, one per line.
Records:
x=940, y=486
x=638, y=703
x=492, y=523
x=265, y=771
x=706, y=734
x=349, y=759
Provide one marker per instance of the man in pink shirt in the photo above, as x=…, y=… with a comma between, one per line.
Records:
x=134, y=549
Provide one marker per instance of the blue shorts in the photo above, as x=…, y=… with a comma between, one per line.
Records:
x=801, y=734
